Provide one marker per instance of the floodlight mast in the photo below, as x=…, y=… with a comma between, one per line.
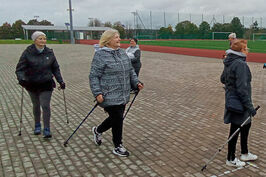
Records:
x=72, y=41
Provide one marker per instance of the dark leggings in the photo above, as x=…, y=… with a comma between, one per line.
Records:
x=41, y=99
x=114, y=121
x=244, y=131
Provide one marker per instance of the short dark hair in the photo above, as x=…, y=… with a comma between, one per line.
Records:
x=135, y=39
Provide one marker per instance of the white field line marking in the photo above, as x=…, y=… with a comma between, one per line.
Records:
x=234, y=170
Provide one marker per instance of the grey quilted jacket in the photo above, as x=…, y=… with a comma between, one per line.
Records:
x=112, y=75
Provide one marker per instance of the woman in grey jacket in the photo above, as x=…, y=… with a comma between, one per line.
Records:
x=134, y=53
x=237, y=78
x=111, y=77
x=35, y=71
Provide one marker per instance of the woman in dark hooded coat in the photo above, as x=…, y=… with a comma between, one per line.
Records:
x=237, y=78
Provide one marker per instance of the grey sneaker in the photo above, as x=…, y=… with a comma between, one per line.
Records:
x=121, y=151
x=96, y=136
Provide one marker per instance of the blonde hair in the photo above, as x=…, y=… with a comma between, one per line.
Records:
x=107, y=36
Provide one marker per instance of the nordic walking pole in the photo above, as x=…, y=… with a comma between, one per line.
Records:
x=21, y=111
x=66, y=142
x=131, y=104
x=65, y=105
x=64, y=97
x=229, y=139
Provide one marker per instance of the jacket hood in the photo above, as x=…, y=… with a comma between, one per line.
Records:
x=98, y=48
x=232, y=56
x=235, y=52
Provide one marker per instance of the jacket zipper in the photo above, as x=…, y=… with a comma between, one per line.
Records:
x=124, y=76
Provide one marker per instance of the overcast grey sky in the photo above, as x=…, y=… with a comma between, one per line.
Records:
x=119, y=10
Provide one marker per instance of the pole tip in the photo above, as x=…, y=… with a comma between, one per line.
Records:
x=203, y=168
x=65, y=144
x=19, y=134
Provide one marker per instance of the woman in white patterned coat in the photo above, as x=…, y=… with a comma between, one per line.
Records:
x=111, y=77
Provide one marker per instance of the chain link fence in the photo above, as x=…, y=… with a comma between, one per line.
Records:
x=146, y=24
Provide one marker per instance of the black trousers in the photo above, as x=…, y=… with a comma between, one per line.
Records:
x=114, y=121
x=244, y=131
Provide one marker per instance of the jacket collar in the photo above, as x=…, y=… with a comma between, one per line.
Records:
x=230, y=51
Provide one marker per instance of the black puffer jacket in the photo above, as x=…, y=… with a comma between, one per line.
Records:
x=237, y=78
x=35, y=70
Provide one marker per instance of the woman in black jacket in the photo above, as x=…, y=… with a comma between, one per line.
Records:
x=237, y=78
x=35, y=71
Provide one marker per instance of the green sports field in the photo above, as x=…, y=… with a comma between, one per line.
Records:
x=256, y=46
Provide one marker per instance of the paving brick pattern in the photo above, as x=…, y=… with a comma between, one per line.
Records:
x=173, y=128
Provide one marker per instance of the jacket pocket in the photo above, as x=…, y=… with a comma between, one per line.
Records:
x=233, y=103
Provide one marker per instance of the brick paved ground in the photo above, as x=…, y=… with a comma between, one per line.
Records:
x=174, y=127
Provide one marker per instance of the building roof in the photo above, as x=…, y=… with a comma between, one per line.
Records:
x=60, y=28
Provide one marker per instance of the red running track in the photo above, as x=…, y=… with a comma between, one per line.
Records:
x=252, y=57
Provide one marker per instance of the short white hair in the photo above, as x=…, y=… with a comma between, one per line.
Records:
x=36, y=34
x=232, y=35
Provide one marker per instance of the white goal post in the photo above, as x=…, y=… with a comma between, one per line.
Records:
x=213, y=34
x=258, y=34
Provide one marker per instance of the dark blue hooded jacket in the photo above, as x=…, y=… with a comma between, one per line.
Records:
x=237, y=78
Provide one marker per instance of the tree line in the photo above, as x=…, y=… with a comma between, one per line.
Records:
x=8, y=31
x=183, y=30
x=186, y=29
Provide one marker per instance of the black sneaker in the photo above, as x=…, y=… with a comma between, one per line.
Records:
x=121, y=151
x=96, y=136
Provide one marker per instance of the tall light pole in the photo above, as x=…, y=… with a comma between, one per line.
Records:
x=134, y=13
x=71, y=24
x=92, y=20
x=67, y=25
x=36, y=17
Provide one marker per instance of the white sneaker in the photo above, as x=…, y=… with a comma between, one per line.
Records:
x=121, y=151
x=235, y=163
x=248, y=157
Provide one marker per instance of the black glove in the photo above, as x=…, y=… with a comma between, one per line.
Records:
x=23, y=83
x=253, y=112
x=62, y=85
